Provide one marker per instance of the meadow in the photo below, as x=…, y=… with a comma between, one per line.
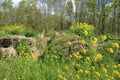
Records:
x=98, y=58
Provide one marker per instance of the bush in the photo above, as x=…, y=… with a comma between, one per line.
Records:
x=23, y=48
x=83, y=30
x=30, y=33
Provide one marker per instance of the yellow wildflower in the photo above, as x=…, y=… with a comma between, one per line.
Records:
x=115, y=45
x=69, y=43
x=83, y=50
x=110, y=50
x=98, y=57
x=88, y=58
x=118, y=65
x=4, y=79
x=87, y=71
x=71, y=74
x=104, y=70
x=85, y=33
x=83, y=42
x=93, y=43
x=80, y=71
x=60, y=76
x=66, y=67
x=64, y=78
x=115, y=66
x=104, y=38
x=77, y=76
x=93, y=67
x=97, y=73
x=95, y=39
x=117, y=73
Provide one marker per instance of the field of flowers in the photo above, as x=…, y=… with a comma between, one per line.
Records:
x=99, y=60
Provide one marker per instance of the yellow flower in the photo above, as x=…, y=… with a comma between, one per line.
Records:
x=93, y=67
x=71, y=74
x=55, y=56
x=77, y=65
x=66, y=67
x=83, y=42
x=115, y=45
x=98, y=57
x=115, y=66
x=93, y=43
x=110, y=50
x=117, y=73
x=60, y=76
x=87, y=71
x=77, y=76
x=95, y=39
x=97, y=73
x=64, y=78
x=85, y=33
x=4, y=79
x=118, y=65
x=69, y=43
x=104, y=38
x=83, y=50
x=104, y=70
x=80, y=71
x=88, y=58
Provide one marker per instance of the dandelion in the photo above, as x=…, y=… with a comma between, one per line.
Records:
x=85, y=33
x=98, y=57
x=110, y=50
x=104, y=38
x=83, y=42
x=115, y=45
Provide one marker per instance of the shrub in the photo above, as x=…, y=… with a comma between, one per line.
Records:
x=83, y=29
x=23, y=48
x=30, y=33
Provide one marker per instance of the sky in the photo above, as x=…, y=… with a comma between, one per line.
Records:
x=15, y=2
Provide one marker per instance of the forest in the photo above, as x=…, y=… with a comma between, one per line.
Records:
x=103, y=14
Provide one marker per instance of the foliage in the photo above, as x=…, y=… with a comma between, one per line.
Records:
x=23, y=49
x=12, y=30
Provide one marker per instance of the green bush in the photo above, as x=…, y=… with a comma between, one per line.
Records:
x=83, y=30
x=30, y=33
x=23, y=48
